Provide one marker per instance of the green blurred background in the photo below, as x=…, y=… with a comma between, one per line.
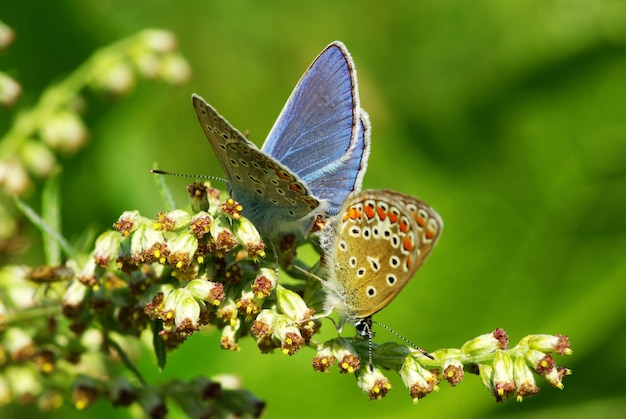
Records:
x=508, y=117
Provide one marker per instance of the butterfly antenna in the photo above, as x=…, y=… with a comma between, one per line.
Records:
x=426, y=354
x=369, y=351
x=164, y=172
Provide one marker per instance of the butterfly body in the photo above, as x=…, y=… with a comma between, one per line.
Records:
x=314, y=156
x=377, y=242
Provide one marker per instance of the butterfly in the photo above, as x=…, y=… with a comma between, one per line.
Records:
x=314, y=156
x=375, y=244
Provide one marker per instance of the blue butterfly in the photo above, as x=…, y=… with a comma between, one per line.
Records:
x=314, y=156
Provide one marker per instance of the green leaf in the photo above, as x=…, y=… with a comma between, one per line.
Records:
x=51, y=215
x=159, y=344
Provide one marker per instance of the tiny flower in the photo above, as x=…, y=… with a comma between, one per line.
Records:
x=227, y=311
x=231, y=208
x=23, y=381
x=555, y=376
x=201, y=224
x=49, y=400
x=128, y=222
x=13, y=177
x=230, y=336
x=10, y=89
x=72, y=301
x=6, y=35
x=485, y=344
x=503, y=382
x=107, y=248
x=159, y=40
x=19, y=344
x=198, y=195
x=264, y=283
x=182, y=249
x=348, y=360
x=249, y=305
x=85, y=392
x=420, y=381
x=148, y=245
x=45, y=360
x=147, y=63
x=38, y=158
x=186, y=309
x=373, y=383
x=222, y=235
x=154, y=305
x=324, y=358
x=287, y=334
x=292, y=305
x=87, y=274
x=453, y=371
x=542, y=363
x=550, y=343
x=64, y=131
x=172, y=221
x=524, y=380
x=209, y=291
x=174, y=69
x=113, y=76
x=248, y=236
x=263, y=324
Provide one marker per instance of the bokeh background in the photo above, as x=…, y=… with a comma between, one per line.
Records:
x=508, y=117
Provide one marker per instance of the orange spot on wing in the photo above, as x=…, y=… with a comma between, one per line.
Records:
x=421, y=221
x=408, y=244
x=404, y=227
x=430, y=233
x=409, y=262
x=393, y=217
x=283, y=175
x=296, y=187
x=369, y=211
x=354, y=214
x=381, y=213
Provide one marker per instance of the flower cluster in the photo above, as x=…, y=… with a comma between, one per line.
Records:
x=183, y=270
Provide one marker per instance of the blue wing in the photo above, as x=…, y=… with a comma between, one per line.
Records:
x=318, y=134
x=347, y=176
